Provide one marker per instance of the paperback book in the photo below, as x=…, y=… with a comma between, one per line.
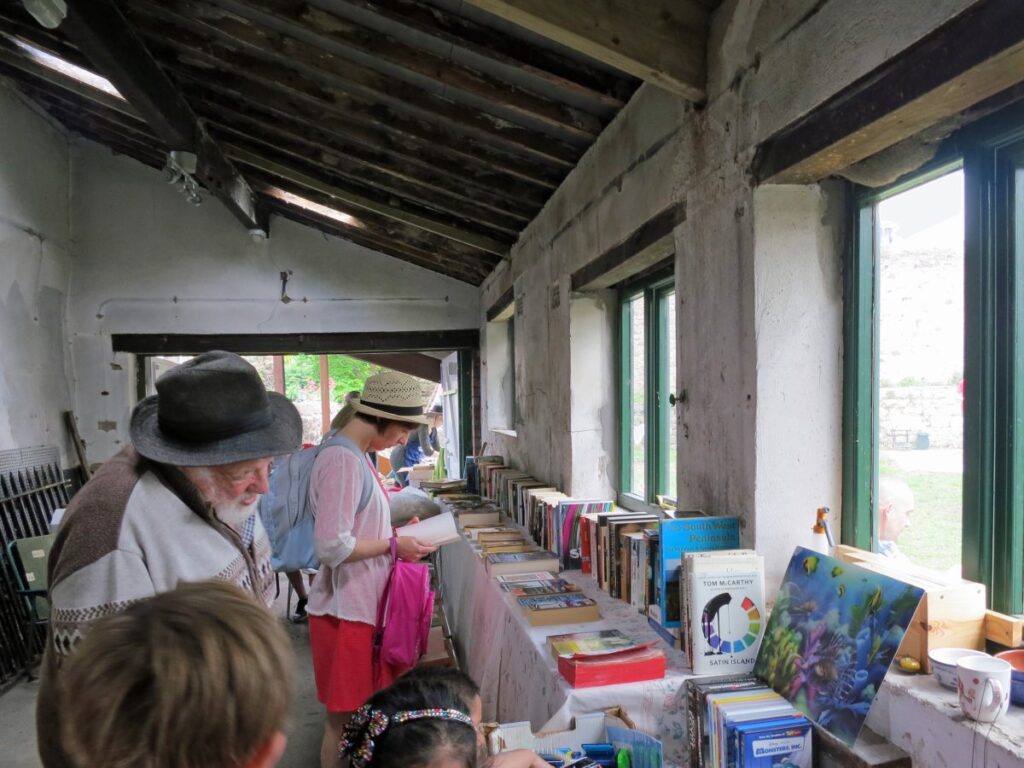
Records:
x=567, y=608
x=630, y=666
x=723, y=610
x=520, y=562
x=539, y=587
x=594, y=643
x=676, y=536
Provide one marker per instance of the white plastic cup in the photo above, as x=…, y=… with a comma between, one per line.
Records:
x=983, y=684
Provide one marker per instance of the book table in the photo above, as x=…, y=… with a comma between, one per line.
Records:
x=518, y=679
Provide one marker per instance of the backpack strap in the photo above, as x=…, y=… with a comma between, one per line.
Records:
x=368, y=479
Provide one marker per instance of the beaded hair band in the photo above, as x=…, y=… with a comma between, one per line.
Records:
x=372, y=724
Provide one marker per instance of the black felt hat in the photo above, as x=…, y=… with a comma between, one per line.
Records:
x=214, y=410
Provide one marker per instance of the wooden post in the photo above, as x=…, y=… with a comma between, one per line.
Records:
x=278, y=362
x=325, y=394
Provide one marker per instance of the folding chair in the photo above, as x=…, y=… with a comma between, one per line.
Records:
x=28, y=560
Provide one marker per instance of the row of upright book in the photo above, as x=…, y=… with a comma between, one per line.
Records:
x=683, y=571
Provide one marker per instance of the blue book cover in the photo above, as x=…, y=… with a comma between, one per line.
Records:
x=776, y=716
x=783, y=745
x=690, y=534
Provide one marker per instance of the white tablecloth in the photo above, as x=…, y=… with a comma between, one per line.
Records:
x=518, y=678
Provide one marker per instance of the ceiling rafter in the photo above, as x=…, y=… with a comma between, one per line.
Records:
x=335, y=168
x=102, y=33
x=228, y=67
x=340, y=36
x=661, y=41
x=172, y=19
x=487, y=48
x=423, y=131
x=251, y=159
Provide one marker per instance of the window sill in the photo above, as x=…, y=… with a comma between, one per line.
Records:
x=923, y=718
x=505, y=432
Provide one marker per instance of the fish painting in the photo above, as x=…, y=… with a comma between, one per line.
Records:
x=829, y=642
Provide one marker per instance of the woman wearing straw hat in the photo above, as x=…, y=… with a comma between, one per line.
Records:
x=352, y=540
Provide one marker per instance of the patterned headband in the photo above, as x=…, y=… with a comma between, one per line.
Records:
x=372, y=724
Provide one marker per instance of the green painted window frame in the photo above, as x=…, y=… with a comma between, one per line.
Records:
x=658, y=410
x=991, y=154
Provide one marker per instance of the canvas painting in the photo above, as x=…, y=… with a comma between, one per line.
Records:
x=830, y=639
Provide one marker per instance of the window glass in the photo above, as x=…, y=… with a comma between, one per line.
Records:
x=667, y=386
x=638, y=396
x=920, y=348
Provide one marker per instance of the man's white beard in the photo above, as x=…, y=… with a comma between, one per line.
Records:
x=234, y=513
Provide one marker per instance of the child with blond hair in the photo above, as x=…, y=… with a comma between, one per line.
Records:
x=199, y=677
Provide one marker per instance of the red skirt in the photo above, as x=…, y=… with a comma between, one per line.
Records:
x=343, y=663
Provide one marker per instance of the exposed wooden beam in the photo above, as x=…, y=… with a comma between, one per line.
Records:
x=338, y=35
x=103, y=34
x=378, y=145
x=421, y=366
x=652, y=242
x=297, y=343
x=360, y=84
x=968, y=59
x=488, y=49
x=266, y=82
x=473, y=239
x=662, y=42
x=339, y=171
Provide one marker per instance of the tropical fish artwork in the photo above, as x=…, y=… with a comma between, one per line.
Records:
x=830, y=639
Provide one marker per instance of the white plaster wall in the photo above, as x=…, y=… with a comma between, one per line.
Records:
x=589, y=466
x=798, y=306
x=34, y=270
x=148, y=262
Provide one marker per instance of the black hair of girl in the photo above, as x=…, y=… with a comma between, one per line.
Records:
x=418, y=743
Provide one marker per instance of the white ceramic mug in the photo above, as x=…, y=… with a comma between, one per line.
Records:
x=984, y=687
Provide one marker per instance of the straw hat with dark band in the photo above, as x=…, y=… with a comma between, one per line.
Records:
x=391, y=395
x=214, y=410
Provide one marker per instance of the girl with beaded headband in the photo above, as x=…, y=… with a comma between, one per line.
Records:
x=413, y=724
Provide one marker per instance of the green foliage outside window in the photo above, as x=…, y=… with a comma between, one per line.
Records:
x=302, y=373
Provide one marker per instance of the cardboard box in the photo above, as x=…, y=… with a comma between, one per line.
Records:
x=611, y=725
x=951, y=614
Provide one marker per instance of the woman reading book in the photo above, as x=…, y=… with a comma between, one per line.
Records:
x=352, y=539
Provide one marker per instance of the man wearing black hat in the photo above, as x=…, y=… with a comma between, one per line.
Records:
x=180, y=505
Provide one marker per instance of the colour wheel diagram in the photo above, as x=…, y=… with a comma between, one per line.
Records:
x=728, y=629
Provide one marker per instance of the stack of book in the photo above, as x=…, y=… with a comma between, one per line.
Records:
x=605, y=657
x=546, y=600
x=738, y=721
x=722, y=610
